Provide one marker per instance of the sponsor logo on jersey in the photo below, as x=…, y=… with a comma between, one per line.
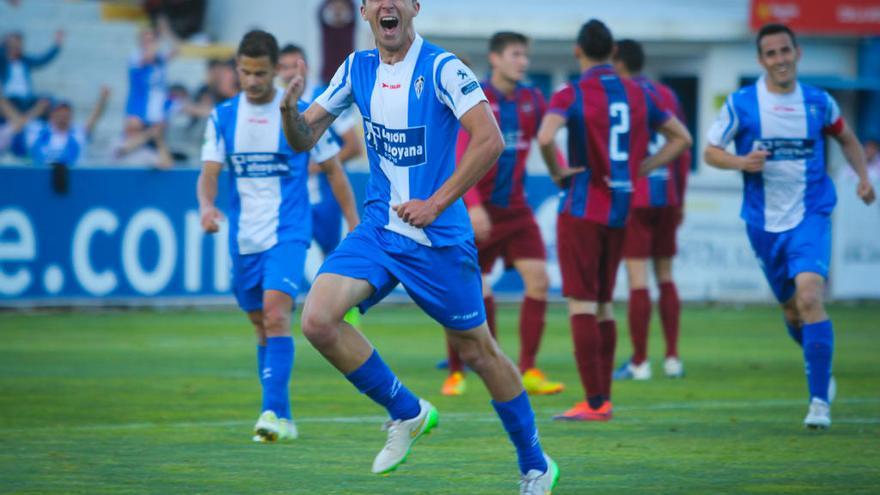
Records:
x=787, y=148
x=390, y=86
x=402, y=147
x=470, y=87
x=258, y=165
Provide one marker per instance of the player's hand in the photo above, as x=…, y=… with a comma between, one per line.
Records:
x=866, y=192
x=210, y=218
x=564, y=176
x=480, y=221
x=294, y=90
x=754, y=161
x=417, y=212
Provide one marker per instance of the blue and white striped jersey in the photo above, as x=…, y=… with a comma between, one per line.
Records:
x=410, y=111
x=269, y=200
x=792, y=127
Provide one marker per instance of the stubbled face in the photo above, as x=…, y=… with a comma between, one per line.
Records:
x=779, y=57
x=60, y=118
x=512, y=62
x=391, y=21
x=255, y=74
x=291, y=65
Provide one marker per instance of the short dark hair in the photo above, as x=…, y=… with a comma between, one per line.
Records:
x=631, y=54
x=257, y=43
x=501, y=40
x=595, y=40
x=770, y=29
x=291, y=49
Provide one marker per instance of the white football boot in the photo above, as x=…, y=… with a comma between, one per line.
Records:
x=630, y=371
x=537, y=483
x=270, y=428
x=402, y=434
x=673, y=367
x=819, y=415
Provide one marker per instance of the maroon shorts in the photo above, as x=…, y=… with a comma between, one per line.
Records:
x=514, y=236
x=589, y=254
x=650, y=232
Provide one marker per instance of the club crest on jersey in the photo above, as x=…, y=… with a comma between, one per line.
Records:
x=419, y=85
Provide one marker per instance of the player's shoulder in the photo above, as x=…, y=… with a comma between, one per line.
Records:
x=225, y=110
x=811, y=92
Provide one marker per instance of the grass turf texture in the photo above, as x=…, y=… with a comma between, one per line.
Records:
x=164, y=402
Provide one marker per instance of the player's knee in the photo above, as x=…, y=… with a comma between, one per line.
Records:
x=276, y=321
x=477, y=353
x=537, y=284
x=809, y=300
x=318, y=328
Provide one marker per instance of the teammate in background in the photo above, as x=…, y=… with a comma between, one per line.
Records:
x=657, y=205
x=609, y=120
x=778, y=126
x=416, y=231
x=326, y=213
x=269, y=216
x=504, y=225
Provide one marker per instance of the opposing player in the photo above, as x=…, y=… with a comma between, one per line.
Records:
x=269, y=216
x=326, y=213
x=778, y=126
x=609, y=120
x=657, y=203
x=416, y=231
x=503, y=223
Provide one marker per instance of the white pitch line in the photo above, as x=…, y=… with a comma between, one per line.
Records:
x=471, y=416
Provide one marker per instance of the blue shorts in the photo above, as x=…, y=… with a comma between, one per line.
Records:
x=278, y=268
x=326, y=218
x=444, y=281
x=783, y=255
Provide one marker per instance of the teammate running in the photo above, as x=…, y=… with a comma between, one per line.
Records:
x=269, y=216
x=416, y=231
x=778, y=126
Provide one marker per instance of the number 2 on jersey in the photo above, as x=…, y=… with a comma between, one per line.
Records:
x=618, y=111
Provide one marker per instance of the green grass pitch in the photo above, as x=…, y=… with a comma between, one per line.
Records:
x=164, y=402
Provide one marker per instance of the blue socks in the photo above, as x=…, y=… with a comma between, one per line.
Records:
x=818, y=350
x=796, y=334
x=375, y=379
x=261, y=361
x=276, y=375
x=519, y=421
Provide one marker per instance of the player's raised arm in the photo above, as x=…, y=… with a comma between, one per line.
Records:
x=855, y=155
x=483, y=150
x=678, y=140
x=302, y=130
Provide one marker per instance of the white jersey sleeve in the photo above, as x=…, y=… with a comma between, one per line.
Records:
x=456, y=85
x=725, y=127
x=325, y=149
x=337, y=97
x=213, y=148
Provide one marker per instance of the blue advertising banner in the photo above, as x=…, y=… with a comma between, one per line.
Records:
x=125, y=235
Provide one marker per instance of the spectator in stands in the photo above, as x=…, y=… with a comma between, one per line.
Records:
x=148, y=90
x=13, y=123
x=60, y=140
x=15, y=68
x=184, y=17
x=141, y=145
